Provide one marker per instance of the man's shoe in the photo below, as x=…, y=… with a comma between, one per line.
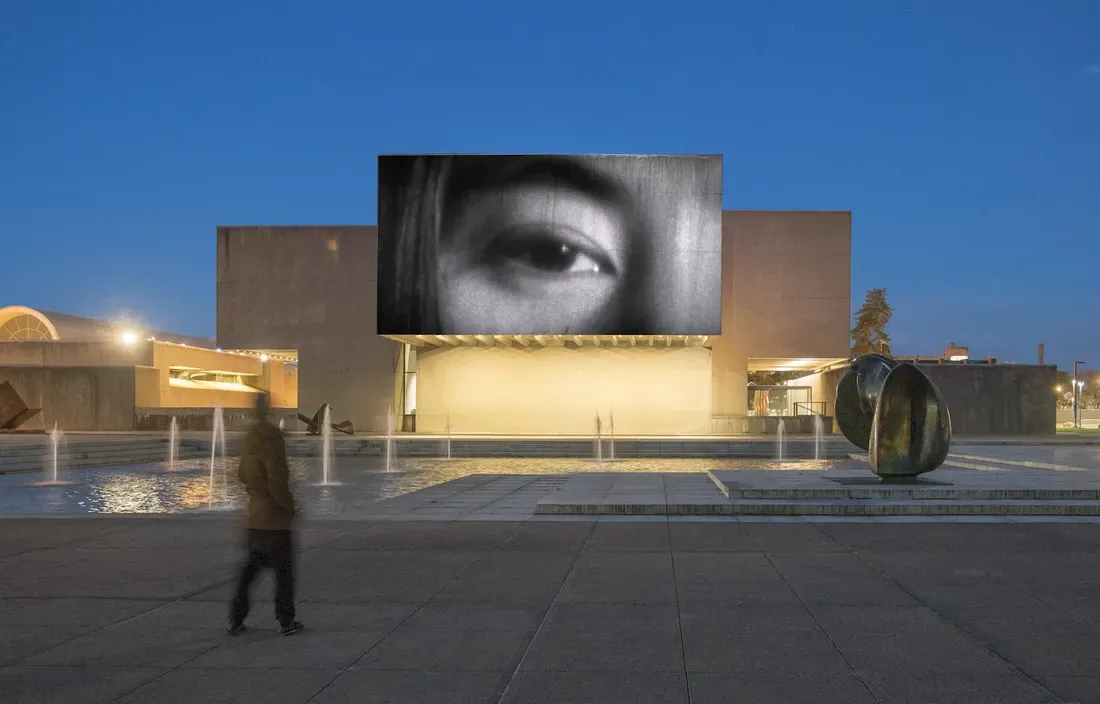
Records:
x=235, y=629
x=290, y=628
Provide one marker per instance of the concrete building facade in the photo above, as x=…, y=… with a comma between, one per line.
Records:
x=311, y=291
x=86, y=374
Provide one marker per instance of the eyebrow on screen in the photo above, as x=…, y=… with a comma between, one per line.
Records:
x=502, y=173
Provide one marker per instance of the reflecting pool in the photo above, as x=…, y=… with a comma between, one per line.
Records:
x=155, y=488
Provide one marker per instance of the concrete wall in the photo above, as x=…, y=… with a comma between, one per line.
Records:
x=202, y=419
x=76, y=354
x=1000, y=399
x=786, y=293
x=559, y=390
x=314, y=290
x=76, y=398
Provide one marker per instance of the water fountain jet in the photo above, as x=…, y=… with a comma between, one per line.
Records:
x=611, y=435
x=391, y=442
x=448, y=437
x=599, y=439
x=819, y=435
x=173, y=443
x=779, y=431
x=218, y=436
x=56, y=439
x=326, y=446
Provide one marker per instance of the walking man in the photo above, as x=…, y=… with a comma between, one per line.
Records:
x=270, y=515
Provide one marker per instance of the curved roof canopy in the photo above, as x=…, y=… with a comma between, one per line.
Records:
x=23, y=323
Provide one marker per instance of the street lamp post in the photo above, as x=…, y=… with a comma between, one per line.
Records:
x=1076, y=390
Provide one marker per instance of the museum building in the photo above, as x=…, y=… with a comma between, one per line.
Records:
x=296, y=318
x=310, y=293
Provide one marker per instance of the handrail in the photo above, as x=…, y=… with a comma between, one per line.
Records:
x=809, y=406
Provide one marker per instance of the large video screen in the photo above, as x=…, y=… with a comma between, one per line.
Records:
x=549, y=244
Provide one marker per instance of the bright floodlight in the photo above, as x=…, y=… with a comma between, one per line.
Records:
x=263, y=357
x=128, y=337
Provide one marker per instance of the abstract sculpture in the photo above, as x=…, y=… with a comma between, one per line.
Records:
x=315, y=424
x=895, y=412
x=14, y=412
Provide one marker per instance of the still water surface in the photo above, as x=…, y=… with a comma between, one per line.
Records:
x=154, y=488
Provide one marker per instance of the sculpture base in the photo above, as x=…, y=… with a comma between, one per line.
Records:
x=879, y=481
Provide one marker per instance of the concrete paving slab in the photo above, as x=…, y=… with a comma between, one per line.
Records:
x=89, y=613
x=21, y=641
x=63, y=684
x=312, y=649
x=621, y=577
x=840, y=579
x=829, y=688
x=413, y=687
x=763, y=619
x=705, y=537
x=943, y=653
x=447, y=649
x=216, y=686
x=536, y=687
x=1007, y=688
x=534, y=537
x=510, y=580
x=1073, y=689
x=614, y=646
x=718, y=579
x=129, y=646
x=709, y=648
x=617, y=537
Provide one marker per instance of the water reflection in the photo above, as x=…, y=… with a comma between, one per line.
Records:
x=150, y=488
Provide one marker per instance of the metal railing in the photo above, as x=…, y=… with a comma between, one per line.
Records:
x=819, y=408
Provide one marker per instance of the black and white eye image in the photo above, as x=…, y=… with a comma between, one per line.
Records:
x=550, y=244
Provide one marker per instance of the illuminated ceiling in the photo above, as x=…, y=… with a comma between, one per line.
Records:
x=792, y=364
x=552, y=340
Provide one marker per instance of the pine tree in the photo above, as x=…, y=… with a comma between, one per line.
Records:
x=869, y=335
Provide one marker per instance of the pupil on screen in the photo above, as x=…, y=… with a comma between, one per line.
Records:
x=538, y=252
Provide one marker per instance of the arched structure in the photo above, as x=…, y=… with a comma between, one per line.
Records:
x=23, y=323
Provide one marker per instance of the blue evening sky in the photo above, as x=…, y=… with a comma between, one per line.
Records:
x=964, y=135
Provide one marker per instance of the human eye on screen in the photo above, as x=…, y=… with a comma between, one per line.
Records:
x=546, y=251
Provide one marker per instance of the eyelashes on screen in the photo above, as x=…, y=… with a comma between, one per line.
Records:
x=538, y=251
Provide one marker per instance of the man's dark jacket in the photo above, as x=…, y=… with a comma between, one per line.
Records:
x=266, y=476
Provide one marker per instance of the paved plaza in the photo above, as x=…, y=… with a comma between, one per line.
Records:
x=112, y=609
x=446, y=582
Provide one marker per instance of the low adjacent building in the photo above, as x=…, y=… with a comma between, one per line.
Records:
x=95, y=375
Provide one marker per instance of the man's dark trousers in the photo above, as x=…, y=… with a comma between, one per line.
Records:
x=273, y=549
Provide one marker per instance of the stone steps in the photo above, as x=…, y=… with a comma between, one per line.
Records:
x=839, y=507
x=825, y=493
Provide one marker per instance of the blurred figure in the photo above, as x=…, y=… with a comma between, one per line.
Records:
x=270, y=516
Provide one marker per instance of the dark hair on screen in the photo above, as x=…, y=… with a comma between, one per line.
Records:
x=418, y=199
x=410, y=197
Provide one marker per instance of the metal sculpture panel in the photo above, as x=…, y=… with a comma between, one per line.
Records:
x=895, y=412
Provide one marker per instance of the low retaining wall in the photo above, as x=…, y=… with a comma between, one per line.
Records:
x=834, y=447
x=199, y=419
